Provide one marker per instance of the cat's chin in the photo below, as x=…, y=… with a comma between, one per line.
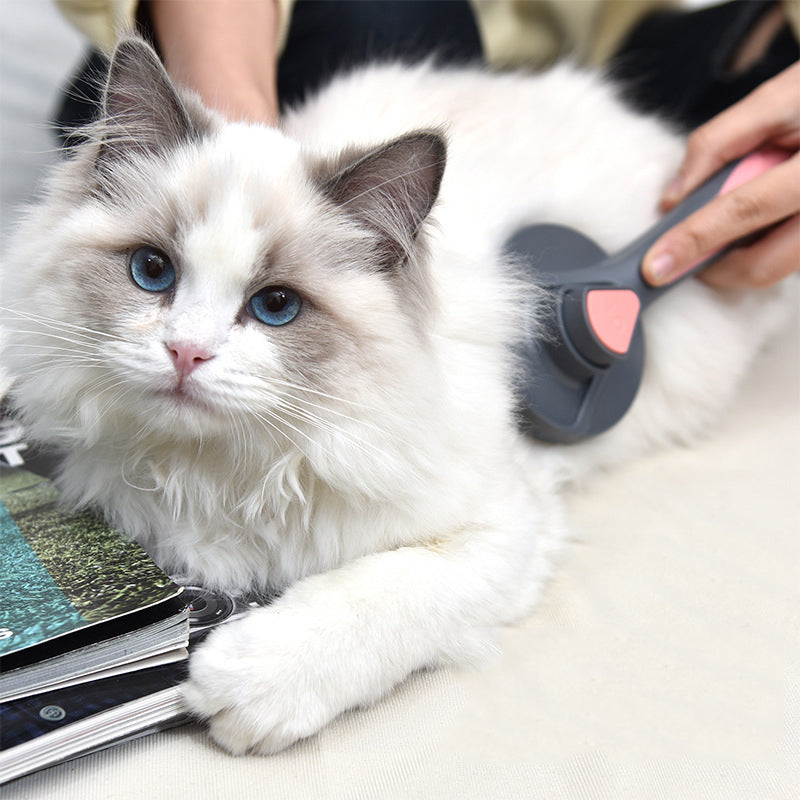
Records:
x=183, y=409
x=180, y=397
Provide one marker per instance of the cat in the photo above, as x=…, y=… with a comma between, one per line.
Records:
x=283, y=359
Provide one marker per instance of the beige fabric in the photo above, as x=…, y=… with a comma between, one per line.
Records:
x=533, y=32
x=513, y=32
x=537, y=32
x=101, y=21
x=793, y=13
x=664, y=662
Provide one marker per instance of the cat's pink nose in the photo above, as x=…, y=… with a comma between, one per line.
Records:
x=186, y=357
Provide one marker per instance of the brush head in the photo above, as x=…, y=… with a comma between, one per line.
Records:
x=583, y=370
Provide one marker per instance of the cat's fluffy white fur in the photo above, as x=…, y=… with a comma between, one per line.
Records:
x=364, y=458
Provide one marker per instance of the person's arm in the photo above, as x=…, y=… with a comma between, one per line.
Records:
x=768, y=116
x=225, y=50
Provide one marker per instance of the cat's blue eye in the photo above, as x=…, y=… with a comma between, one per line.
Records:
x=275, y=305
x=152, y=270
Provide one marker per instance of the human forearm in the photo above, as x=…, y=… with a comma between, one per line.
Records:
x=225, y=50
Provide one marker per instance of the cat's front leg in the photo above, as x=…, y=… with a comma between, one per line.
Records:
x=345, y=638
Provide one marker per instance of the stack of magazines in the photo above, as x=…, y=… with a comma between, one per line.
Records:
x=94, y=638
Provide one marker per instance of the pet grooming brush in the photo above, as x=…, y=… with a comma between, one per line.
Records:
x=584, y=368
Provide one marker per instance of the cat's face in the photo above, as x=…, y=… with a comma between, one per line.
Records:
x=225, y=284
x=194, y=278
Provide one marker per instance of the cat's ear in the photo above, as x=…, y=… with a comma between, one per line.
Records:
x=142, y=112
x=391, y=190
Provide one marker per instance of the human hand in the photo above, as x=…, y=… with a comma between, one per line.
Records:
x=769, y=202
x=225, y=50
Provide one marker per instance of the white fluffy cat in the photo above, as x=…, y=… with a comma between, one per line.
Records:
x=282, y=359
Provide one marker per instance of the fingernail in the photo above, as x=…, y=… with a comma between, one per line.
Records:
x=661, y=267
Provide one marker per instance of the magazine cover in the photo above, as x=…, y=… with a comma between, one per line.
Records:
x=68, y=581
x=63, y=573
x=54, y=726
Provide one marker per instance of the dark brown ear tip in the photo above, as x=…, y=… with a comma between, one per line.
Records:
x=439, y=143
x=130, y=43
x=142, y=110
x=437, y=139
x=131, y=60
x=130, y=49
x=436, y=154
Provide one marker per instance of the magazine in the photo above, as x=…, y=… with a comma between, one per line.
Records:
x=48, y=728
x=77, y=597
x=79, y=702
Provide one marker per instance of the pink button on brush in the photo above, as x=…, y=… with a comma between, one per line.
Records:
x=613, y=314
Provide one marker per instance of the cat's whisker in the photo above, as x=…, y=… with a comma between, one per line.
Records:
x=267, y=424
x=326, y=395
x=300, y=399
x=52, y=364
x=283, y=421
x=257, y=383
x=246, y=435
x=112, y=382
x=72, y=340
x=364, y=446
x=302, y=409
x=61, y=324
x=361, y=423
x=315, y=419
x=288, y=424
x=65, y=358
x=73, y=352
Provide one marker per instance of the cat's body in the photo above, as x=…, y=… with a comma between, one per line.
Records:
x=363, y=456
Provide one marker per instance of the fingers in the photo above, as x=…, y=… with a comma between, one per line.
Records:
x=769, y=114
x=763, y=263
x=769, y=198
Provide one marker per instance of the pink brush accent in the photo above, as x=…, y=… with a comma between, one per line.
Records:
x=613, y=313
x=752, y=166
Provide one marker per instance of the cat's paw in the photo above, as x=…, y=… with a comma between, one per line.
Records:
x=264, y=682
